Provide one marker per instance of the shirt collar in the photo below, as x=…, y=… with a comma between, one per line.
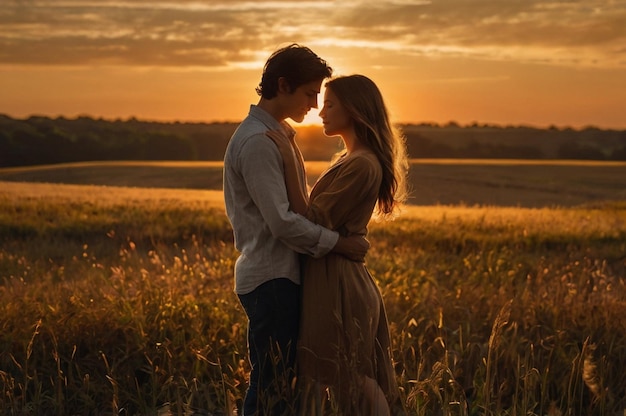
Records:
x=271, y=123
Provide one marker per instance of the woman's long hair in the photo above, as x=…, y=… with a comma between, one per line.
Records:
x=364, y=102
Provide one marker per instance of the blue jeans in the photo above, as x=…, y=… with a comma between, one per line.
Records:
x=273, y=311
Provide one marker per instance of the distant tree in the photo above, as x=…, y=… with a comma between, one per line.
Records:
x=619, y=154
x=39, y=140
x=5, y=149
x=421, y=147
x=579, y=151
x=30, y=147
x=167, y=146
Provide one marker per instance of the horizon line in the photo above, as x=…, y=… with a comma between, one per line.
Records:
x=449, y=124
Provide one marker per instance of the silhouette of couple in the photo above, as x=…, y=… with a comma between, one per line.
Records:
x=318, y=334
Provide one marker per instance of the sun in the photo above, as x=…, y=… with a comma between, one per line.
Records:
x=312, y=118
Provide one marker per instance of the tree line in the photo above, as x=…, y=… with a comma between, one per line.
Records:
x=42, y=140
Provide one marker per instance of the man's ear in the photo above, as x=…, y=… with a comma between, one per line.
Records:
x=283, y=86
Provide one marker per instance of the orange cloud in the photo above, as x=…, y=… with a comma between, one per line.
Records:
x=212, y=33
x=438, y=60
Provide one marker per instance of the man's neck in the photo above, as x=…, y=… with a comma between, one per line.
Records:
x=272, y=108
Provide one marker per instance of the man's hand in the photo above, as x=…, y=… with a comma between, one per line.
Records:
x=282, y=141
x=354, y=247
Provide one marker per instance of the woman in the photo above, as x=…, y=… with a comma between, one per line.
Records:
x=344, y=340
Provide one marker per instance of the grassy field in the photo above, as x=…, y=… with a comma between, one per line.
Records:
x=117, y=300
x=435, y=181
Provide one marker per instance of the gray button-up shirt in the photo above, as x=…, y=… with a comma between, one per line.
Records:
x=268, y=235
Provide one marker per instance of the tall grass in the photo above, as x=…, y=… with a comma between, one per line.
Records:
x=495, y=310
x=125, y=306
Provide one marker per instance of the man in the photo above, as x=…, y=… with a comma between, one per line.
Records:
x=267, y=234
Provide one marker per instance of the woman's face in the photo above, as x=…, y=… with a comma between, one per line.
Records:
x=336, y=120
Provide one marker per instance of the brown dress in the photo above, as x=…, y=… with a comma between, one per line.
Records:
x=344, y=333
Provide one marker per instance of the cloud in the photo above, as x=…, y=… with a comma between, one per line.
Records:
x=222, y=34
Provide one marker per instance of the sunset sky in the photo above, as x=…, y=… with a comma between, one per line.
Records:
x=506, y=62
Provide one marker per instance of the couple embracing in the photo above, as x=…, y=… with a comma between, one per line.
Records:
x=318, y=336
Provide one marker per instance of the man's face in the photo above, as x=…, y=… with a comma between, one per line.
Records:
x=298, y=103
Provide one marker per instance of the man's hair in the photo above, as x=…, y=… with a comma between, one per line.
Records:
x=298, y=64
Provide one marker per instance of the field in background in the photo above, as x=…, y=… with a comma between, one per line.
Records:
x=119, y=301
x=109, y=195
x=434, y=181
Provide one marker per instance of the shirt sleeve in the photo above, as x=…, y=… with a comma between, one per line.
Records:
x=263, y=174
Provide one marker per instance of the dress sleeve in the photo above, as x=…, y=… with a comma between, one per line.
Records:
x=355, y=184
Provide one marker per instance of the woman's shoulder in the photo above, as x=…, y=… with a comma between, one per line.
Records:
x=364, y=161
x=362, y=157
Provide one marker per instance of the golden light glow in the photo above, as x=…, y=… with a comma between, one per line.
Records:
x=312, y=118
x=201, y=60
